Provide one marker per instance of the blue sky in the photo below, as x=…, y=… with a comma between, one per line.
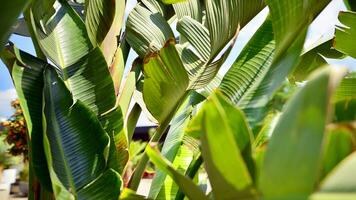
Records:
x=321, y=27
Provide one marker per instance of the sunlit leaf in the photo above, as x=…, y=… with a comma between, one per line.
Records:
x=165, y=82
x=185, y=184
x=147, y=31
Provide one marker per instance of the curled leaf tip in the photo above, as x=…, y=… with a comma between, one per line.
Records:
x=149, y=56
x=170, y=41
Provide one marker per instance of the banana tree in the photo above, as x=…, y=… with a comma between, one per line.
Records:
x=76, y=99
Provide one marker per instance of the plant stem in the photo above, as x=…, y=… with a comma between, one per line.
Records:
x=191, y=172
x=141, y=166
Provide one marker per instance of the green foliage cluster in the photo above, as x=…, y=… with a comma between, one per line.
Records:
x=280, y=124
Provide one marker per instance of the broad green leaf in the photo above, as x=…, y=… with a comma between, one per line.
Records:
x=140, y=101
x=350, y=4
x=242, y=133
x=226, y=18
x=27, y=75
x=9, y=10
x=235, y=14
x=82, y=67
x=146, y=31
x=190, y=8
x=341, y=179
x=107, y=186
x=154, y=6
x=104, y=19
x=76, y=145
x=165, y=82
x=345, y=99
x=99, y=17
x=313, y=58
x=61, y=33
x=197, y=35
x=212, y=86
x=228, y=173
x=254, y=61
x=132, y=120
x=29, y=20
x=193, y=173
x=89, y=80
x=345, y=35
x=185, y=184
x=292, y=17
x=338, y=145
x=294, y=150
x=344, y=111
x=193, y=64
x=75, y=164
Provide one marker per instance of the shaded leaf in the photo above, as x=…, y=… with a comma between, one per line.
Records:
x=27, y=75
x=351, y=5
x=61, y=46
x=89, y=80
x=294, y=151
x=345, y=99
x=235, y=132
x=9, y=10
x=253, y=62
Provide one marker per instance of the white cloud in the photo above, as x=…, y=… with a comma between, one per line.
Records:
x=6, y=96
